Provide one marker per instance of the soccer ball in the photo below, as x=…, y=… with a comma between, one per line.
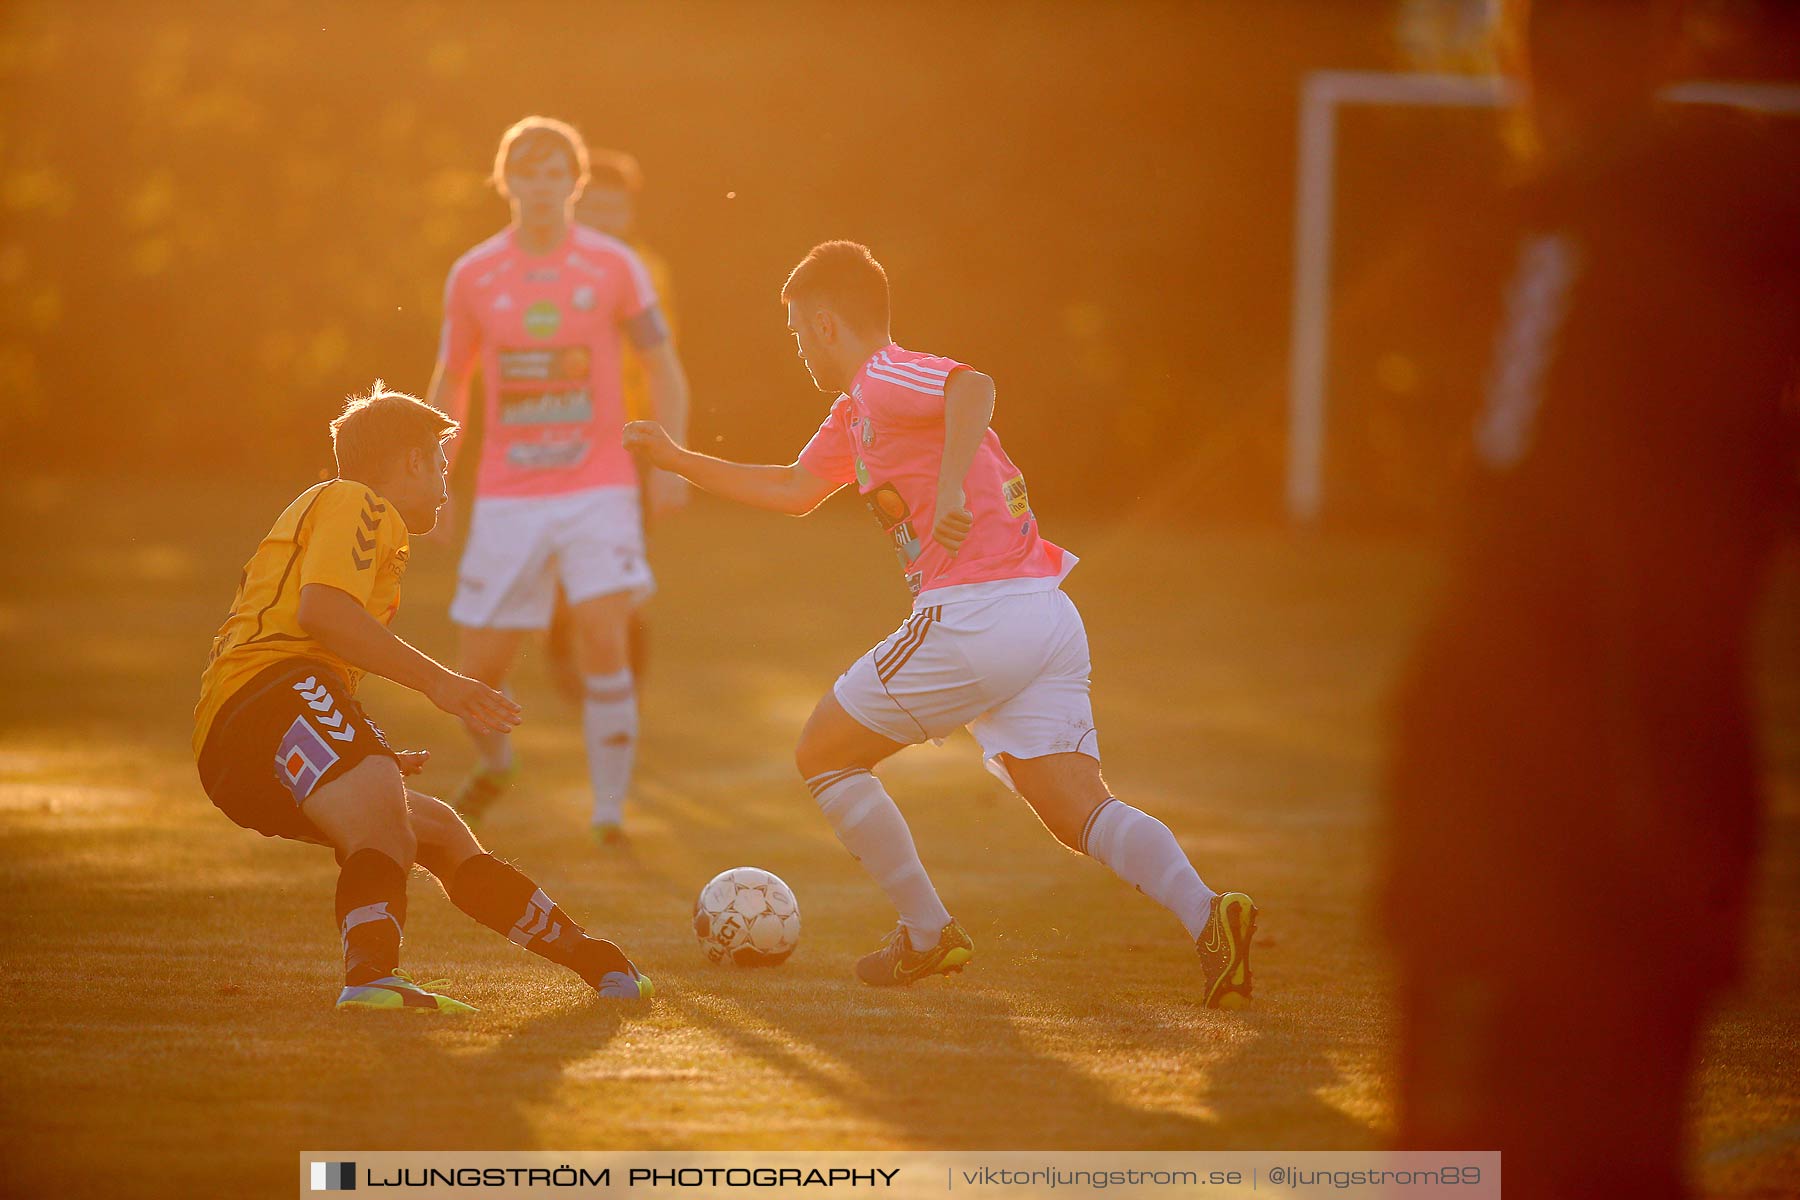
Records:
x=747, y=916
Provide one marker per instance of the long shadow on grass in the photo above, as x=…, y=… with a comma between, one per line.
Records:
x=962, y=1062
x=942, y=1065
x=1264, y=1074
x=1269, y=1091
x=413, y=1089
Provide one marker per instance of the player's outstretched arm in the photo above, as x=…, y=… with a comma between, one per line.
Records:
x=790, y=489
x=668, y=387
x=335, y=620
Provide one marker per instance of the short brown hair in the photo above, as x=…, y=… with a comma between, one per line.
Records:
x=844, y=277
x=374, y=428
x=615, y=169
x=532, y=138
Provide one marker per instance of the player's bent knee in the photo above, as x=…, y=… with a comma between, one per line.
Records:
x=834, y=740
x=813, y=752
x=814, y=755
x=365, y=809
x=394, y=839
x=1063, y=790
x=1063, y=825
x=807, y=759
x=439, y=830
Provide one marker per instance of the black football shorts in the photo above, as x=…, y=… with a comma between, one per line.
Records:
x=283, y=735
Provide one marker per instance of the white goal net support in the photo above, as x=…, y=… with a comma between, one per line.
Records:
x=1323, y=94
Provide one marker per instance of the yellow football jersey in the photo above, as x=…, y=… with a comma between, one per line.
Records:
x=338, y=533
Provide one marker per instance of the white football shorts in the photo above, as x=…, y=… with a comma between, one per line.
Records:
x=519, y=547
x=1014, y=669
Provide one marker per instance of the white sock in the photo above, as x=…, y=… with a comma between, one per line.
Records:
x=871, y=828
x=1141, y=851
x=609, y=723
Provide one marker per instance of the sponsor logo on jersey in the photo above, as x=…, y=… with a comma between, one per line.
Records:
x=543, y=319
x=548, y=456
x=1017, y=502
x=544, y=364
x=542, y=275
x=862, y=473
x=906, y=542
x=564, y=406
x=888, y=505
x=583, y=299
x=894, y=516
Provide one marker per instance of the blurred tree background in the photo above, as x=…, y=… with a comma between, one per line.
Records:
x=216, y=221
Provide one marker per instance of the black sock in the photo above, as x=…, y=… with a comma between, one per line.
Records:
x=506, y=900
x=371, y=911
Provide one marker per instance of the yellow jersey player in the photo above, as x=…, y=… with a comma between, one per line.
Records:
x=285, y=749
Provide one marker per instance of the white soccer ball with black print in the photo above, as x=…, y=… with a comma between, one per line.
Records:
x=747, y=916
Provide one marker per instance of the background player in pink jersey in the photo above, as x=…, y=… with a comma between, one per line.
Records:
x=992, y=643
x=541, y=308
x=609, y=203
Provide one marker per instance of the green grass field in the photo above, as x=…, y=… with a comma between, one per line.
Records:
x=167, y=1024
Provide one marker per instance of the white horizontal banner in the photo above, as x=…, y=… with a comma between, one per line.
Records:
x=1462, y=1175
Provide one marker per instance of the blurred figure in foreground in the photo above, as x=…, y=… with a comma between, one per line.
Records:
x=609, y=203
x=1574, y=791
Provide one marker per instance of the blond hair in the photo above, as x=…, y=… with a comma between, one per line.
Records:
x=373, y=428
x=532, y=138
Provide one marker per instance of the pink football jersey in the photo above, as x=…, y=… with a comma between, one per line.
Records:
x=886, y=435
x=547, y=328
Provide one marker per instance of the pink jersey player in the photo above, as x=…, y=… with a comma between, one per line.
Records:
x=542, y=307
x=546, y=330
x=886, y=435
x=992, y=644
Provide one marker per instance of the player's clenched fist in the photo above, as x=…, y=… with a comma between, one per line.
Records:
x=954, y=520
x=479, y=706
x=650, y=442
